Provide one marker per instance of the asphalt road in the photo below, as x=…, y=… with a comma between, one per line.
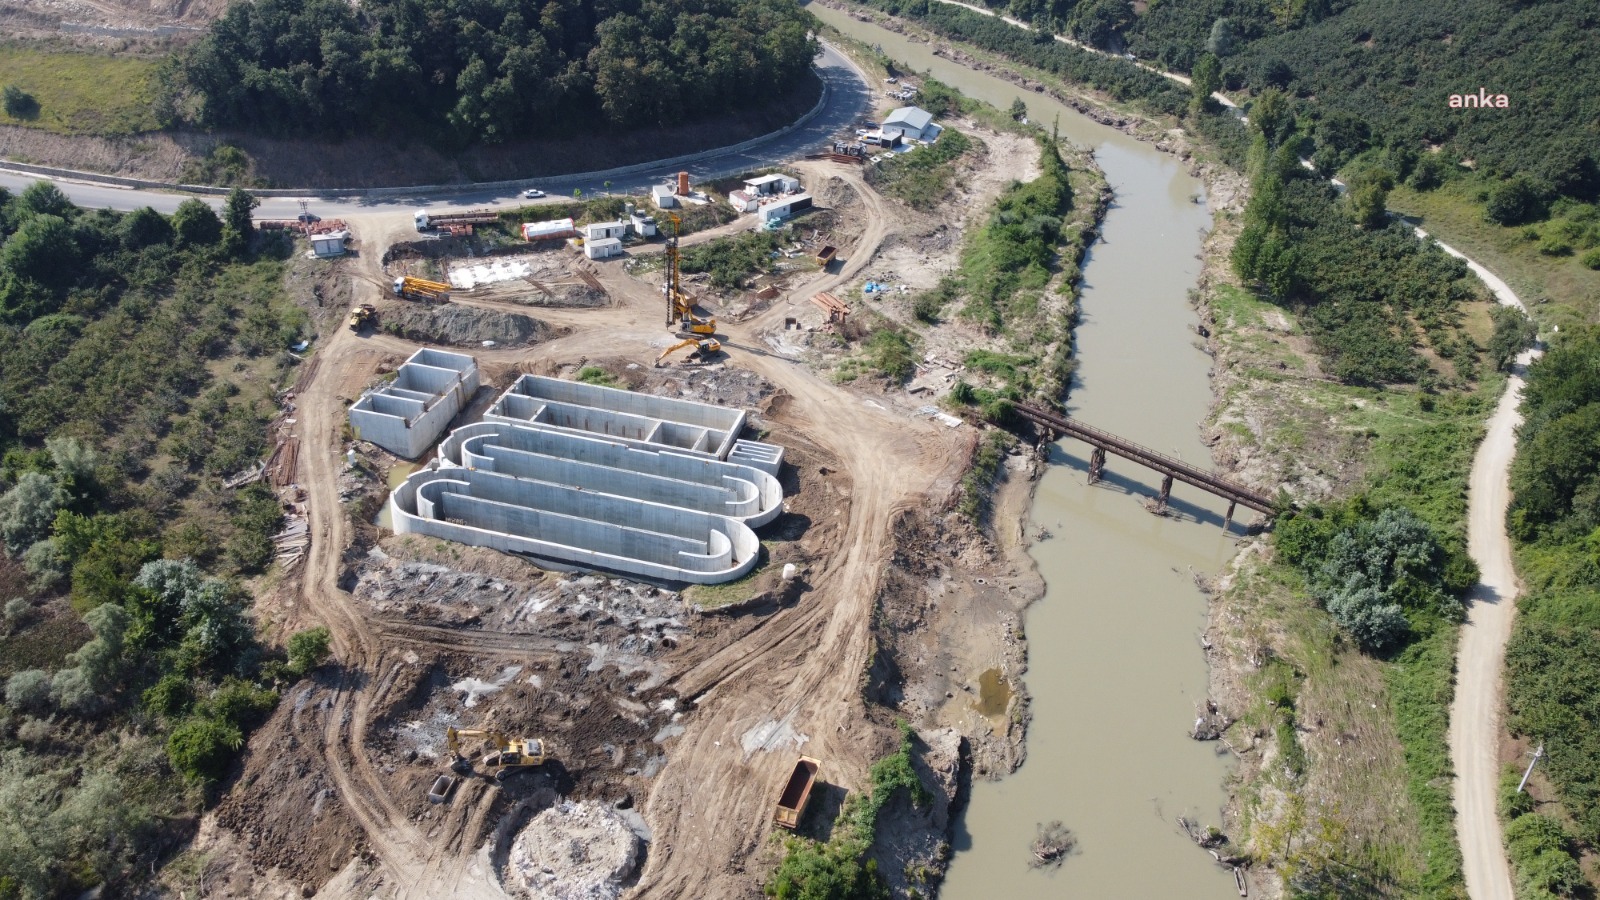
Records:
x=849, y=96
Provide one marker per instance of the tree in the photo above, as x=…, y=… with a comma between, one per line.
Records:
x=144, y=227
x=43, y=251
x=20, y=104
x=1222, y=40
x=1514, y=332
x=27, y=511
x=1019, y=110
x=1367, y=195
x=45, y=199
x=1513, y=202
x=1273, y=116
x=28, y=691
x=196, y=224
x=238, y=227
x=1205, y=80
x=307, y=650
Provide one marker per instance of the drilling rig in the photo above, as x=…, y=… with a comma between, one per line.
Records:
x=680, y=306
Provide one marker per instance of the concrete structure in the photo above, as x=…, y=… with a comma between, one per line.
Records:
x=406, y=415
x=573, y=525
x=329, y=244
x=596, y=231
x=598, y=477
x=637, y=420
x=731, y=489
x=914, y=122
x=783, y=207
x=663, y=197
x=602, y=248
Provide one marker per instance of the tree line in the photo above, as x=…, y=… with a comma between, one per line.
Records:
x=462, y=71
x=129, y=664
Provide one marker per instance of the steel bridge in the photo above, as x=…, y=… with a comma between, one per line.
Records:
x=1171, y=468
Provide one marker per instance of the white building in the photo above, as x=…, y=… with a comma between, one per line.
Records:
x=663, y=196
x=783, y=207
x=643, y=225
x=603, y=248
x=330, y=244
x=914, y=122
x=771, y=184
x=551, y=230
x=599, y=231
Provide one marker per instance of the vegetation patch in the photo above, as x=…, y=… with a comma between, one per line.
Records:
x=921, y=178
x=77, y=93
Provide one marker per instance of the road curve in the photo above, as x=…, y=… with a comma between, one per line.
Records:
x=848, y=98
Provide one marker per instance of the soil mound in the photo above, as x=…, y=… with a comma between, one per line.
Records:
x=464, y=326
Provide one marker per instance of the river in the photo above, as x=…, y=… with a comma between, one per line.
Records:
x=1115, y=666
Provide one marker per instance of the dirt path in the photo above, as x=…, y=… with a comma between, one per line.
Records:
x=1475, y=722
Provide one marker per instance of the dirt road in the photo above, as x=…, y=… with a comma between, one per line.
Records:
x=1475, y=725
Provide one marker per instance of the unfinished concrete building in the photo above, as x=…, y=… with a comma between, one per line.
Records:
x=406, y=415
x=598, y=477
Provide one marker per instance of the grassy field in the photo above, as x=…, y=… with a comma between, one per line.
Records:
x=1453, y=214
x=81, y=93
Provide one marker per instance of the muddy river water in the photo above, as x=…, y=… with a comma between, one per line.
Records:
x=1115, y=666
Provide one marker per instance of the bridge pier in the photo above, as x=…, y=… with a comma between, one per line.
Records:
x=1165, y=495
x=1228, y=519
x=1097, y=462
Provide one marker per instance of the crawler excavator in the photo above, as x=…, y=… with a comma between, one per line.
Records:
x=704, y=350
x=509, y=754
x=680, y=306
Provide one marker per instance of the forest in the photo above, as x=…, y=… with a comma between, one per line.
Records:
x=465, y=71
x=1553, y=660
x=1363, y=74
x=140, y=355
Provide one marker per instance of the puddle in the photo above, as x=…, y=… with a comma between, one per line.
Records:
x=397, y=474
x=994, y=693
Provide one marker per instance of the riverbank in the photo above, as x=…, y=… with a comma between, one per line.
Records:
x=1278, y=422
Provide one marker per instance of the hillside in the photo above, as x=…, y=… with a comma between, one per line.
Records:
x=466, y=72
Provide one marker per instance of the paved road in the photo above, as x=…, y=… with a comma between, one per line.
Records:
x=849, y=97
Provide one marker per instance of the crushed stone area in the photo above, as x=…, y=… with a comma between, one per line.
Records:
x=574, y=851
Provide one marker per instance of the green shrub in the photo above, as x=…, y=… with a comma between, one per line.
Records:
x=891, y=353
x=307, y=650
x=201, y=748
x=1591, y=259
x=19, y=103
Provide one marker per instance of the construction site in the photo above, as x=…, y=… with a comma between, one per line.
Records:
x=606, y=547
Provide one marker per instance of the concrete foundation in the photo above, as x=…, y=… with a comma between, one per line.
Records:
x=638, y=420
x=729, y=488
x=573, y=525
x=408, y=414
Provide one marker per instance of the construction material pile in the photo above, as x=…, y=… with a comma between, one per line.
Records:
x=574, y=851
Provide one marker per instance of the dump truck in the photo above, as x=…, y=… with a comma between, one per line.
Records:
x=362, y=316
x=826, y=255
x=796, y=793
x=427, y=221
x=421, y=289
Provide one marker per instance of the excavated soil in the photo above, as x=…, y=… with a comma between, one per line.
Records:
x=457, y=325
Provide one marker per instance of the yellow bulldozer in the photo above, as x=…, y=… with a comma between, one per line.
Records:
x=508, y=755
x=704, y=350
x=680, y=306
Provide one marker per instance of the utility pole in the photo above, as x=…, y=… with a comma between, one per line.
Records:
x=1537, y=754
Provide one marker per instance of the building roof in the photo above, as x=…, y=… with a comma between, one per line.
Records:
x=617, y=224
x=605, y=242
x=661, y=190
x=764, y=179
x=912, y=117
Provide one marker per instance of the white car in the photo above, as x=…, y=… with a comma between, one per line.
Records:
x=533, y=193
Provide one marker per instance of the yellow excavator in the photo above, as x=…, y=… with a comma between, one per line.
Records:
x=508, y=755
x=680, y=306
x=704, y=350
x=362, y=316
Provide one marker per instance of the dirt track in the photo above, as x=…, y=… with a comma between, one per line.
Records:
x=800, y=667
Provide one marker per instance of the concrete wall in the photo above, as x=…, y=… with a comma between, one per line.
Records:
x=567, y=524
x=743, y=492
x=640, y=419
x=408, y=414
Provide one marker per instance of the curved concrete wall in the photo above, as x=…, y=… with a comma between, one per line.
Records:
x=722, y=488
x=569, y=524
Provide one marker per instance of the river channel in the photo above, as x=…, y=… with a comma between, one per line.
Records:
x=1115, y=666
